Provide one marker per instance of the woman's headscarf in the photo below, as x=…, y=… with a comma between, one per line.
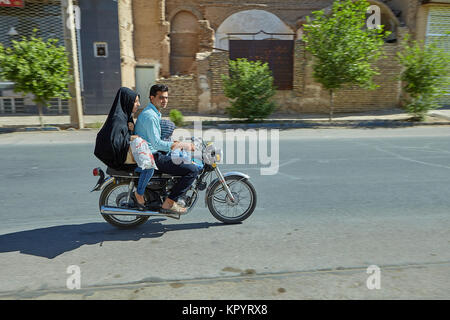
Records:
x=113, y=139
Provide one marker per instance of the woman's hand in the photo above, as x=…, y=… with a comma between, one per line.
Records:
x=131, y=126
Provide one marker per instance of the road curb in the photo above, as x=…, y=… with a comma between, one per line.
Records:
x=322, y=124
x=264, y=125
x=28, y=129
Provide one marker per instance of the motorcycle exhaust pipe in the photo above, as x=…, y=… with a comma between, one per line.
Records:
x=114, y=211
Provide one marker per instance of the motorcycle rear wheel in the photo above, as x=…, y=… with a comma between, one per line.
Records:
x=115, y=194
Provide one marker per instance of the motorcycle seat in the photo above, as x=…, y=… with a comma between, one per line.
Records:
x=128, y=172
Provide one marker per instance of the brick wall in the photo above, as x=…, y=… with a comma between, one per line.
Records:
x=183, y=92
x=151, y=41
x=299, y=68
x=309, y=96
x=386, y=96
x=188, y=93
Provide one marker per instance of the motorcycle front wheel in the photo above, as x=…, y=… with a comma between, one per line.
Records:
x=223, y=208
x=115, y=195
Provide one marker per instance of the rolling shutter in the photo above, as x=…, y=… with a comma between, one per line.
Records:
x=438, y=32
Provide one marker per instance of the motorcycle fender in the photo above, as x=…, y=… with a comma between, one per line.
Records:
x=232, y=173
x=106, y=182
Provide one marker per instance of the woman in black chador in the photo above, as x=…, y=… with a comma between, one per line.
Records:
x=113, y=139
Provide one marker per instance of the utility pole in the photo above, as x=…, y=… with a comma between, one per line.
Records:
x=75, y=104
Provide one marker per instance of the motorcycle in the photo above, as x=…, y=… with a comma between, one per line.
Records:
x=230, y=197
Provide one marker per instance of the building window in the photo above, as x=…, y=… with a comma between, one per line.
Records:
x=101, y=49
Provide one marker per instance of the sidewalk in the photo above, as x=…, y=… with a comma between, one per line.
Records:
x=384, y=118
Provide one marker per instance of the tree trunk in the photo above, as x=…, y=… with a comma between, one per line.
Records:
x=41, y=120
x=331, y=105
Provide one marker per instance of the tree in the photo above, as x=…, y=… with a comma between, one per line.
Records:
x=426, y=70
x=343, y=48
x=38, y=67
x=176, y=117
x=249, y=88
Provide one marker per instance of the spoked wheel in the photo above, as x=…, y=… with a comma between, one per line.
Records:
x=223, y=208
x=115, y=195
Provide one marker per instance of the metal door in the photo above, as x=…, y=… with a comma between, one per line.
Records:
x=279, y=54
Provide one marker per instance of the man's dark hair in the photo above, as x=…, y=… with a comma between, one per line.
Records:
x=158, y=87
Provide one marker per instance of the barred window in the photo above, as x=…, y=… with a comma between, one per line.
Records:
x=18, y=22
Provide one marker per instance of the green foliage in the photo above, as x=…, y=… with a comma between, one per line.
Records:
x=249, y=88
x=342, y=45
x=176, y=117
x=38, y=67
x=426, y=70
x=344, y=49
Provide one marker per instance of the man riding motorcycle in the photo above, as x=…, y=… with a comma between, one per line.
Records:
x=149, y=128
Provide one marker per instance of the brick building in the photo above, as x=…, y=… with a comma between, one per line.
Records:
x=187, y=43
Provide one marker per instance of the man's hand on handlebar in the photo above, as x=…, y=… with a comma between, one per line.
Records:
x=187, y=146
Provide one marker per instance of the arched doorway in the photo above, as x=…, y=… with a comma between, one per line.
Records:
x=387, y=18
x=260, y=35
x=183, y=42
x=251, y=21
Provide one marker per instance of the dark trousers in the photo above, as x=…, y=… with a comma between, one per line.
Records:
x=188, y=172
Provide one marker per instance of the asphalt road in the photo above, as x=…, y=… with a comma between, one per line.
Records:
x=342, y=200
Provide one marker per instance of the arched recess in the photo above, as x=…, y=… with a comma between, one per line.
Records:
x=260, y=35
x=388, y=20
x=251, y=21
x=184, y=31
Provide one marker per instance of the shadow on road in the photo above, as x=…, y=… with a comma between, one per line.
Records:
x=52, y=241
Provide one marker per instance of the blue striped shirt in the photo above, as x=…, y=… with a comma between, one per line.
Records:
x=148, y=127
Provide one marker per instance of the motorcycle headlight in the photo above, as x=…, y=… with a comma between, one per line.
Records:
x=211, y=154
x=218, y=155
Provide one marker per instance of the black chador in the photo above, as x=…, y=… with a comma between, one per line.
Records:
x=113, y=139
